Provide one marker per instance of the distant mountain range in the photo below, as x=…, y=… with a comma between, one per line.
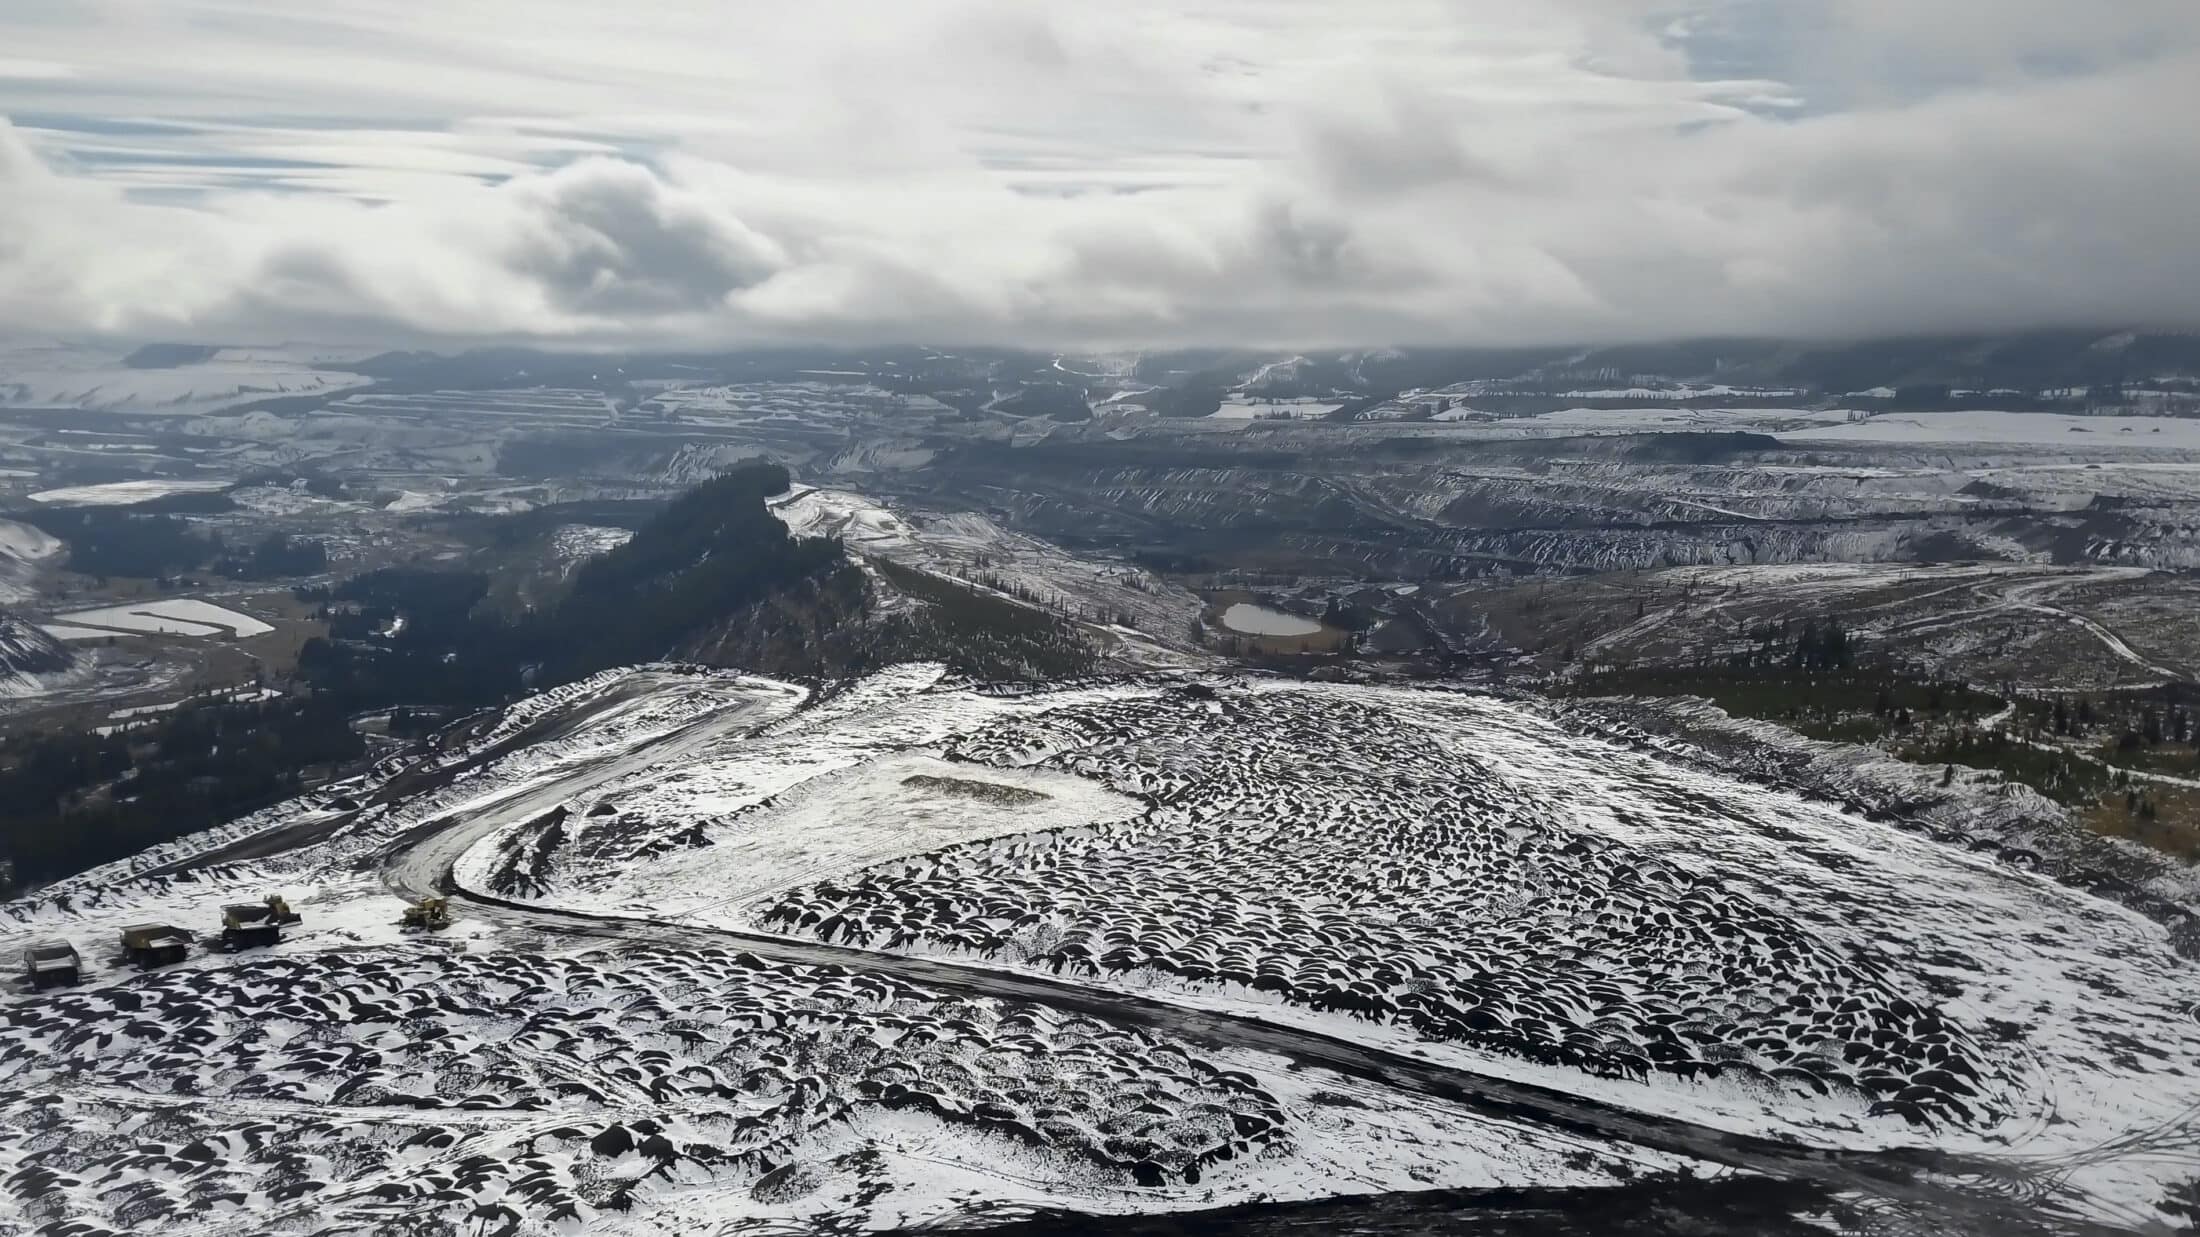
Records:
x=2060, y=368
x=2029, y=363
x=2026, y=362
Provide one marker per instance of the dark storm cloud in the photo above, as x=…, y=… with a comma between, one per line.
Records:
x=612, y=239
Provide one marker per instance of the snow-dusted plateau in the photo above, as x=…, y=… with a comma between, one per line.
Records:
x=728, y=949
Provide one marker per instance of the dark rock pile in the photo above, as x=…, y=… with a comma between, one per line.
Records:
x=1351, y=858
x=370, y=1087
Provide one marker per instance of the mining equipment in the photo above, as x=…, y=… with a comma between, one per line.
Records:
x=147, y=945
x=51, y=964
x=427, y=915
x=248, y=925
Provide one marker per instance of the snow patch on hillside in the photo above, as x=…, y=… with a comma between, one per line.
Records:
x=32, y=662
x=2036, y=429
x=63, y=377
x=974, y=549
x=574, y=542
x=22, y=548
x=123, y=493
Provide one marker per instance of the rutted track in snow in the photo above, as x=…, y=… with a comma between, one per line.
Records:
x=2028, y=597
x=2031, y=596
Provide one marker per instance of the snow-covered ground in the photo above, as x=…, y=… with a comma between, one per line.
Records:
x=833, y=822
x=2037, y=429
x=135, y=716
x=2031, y=431
x=32, y=662
x=351, y=1073
x=414, y=500
x=1567, y=422
x=1683, y=391
x=175, y=616
x=63, y=631
x=283, y=500
x=573, y=542
x=23, y=542
x=634, y=1091
x=120, y=493
x=22, y=548
x=2025, y=626
x=1442, y=873
x=974, y=549
x=59, y=376
x=1250, y=408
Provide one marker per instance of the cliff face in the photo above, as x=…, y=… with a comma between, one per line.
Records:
x=28, y=655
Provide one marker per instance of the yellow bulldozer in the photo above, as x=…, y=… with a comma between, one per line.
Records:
x=427, y=915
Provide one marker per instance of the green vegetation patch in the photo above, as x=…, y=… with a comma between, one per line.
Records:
x=979, y=633
x=1857, y=704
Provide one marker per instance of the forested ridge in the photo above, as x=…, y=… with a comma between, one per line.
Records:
x=400, y=638
x=714, y=576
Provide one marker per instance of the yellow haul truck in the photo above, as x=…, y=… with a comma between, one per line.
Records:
x=147, y=945
x=50, y=964
x=248, y=925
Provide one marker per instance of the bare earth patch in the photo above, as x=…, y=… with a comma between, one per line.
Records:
x=991, y=792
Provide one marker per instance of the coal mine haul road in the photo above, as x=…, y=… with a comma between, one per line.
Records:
x=1947, y=1192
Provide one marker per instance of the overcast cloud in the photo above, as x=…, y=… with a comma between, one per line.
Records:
x=1261, y=172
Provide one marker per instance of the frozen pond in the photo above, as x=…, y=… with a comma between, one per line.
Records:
x=117, y=493
x=174, y=617
x=1247, y=619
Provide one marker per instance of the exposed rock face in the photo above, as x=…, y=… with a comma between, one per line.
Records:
x=28, y=656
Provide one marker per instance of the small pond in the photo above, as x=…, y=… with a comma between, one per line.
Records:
x=1247, y=619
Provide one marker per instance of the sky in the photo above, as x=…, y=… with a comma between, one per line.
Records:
x=1262, y=173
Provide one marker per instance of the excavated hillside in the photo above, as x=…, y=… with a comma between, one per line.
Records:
x=28, y=656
